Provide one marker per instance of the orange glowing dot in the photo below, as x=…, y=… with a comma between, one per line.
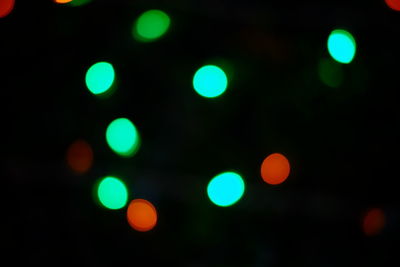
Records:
x=393, y=4
x=374, y=221
x=62, y=1
x=275, y=169
x=79, y=156
x=141, y=215
x=6, y=6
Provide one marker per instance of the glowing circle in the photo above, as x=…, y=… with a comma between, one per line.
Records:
x=62, y=1
x=112, y=193
x=210, y=81
x=100, y=77
x=79, y=156
x=141, y=215
x=123, y=137
x=6, y=6
x=79, y=2
x=275, y=169
x=151, y=25
x=373, y=222
x=341, y=46
x=330, y=72
x=393, y=4
x=226, y=189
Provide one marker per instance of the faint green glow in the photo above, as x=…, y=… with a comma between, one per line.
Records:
x=79, y=2
x=330, y=72
x=210, y=81
x=226, y=189
x=112, y=193
x=100, y=77
x=123, y=137
x=341, y=46
x=151, y=25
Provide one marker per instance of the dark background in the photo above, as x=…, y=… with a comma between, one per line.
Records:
x=342, y=143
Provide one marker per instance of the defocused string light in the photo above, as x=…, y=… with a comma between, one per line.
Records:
x=100, y=77
x=210, y=81
x=275, y=169
x=79, y=156
x=373, y=222
x=62, y=1
x=151, y=25
x=341, y=46
x=141, y=215
x=112, y=193
x=123, y=137
x=6, y=6
x=226, y=189
x=393, y=4
x=330, y=72
x=79, y=2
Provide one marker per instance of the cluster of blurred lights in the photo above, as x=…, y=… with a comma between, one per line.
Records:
x=209, y=81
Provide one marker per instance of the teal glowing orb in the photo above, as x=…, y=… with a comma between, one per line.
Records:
x=123, y=137
x=341, y=46
x=226, y=189
x=210, y=81
x=112, y=193
x=100, y=78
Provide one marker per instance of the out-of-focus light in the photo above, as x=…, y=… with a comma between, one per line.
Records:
x=79, y=2
x=275, y=169
x=141, y=215
x=226, y=189
x=341, y=46
x=210, y=81
x=79, y=156
x=6, y=6
x=123, y=137
x=100, y=77
x=393, y=4
x=62, y=1
x=330, y=72
x=112, y=193
x=151, y=25
x=373, y=222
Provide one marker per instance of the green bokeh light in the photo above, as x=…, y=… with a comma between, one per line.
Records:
x=123, y=137
x=100, y=77
x=330, y=72
x=79, y=2
x=341, y=46
x=112, y=193
x=210, y=81
x=151, y=25
x=226, y=189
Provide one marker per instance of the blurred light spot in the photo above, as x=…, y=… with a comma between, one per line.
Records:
x=226, y=189
x=341, y=46
x=393, y=4
x=210, y=81
x=112, y=193
x=275, y=169
x=330, y=72
x=100, y=77
x=151, y=25
x=79, y=2
x=123, y=137
x=80, y=156
x=62, y=1
x=374, y=221
x=6, y=6
x=141, y=215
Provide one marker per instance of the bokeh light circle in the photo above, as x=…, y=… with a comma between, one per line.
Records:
x=100, y=77
x=141, y=215
x=79, y=156
x=373, y=222
x=123, y=137
x=226, y=189
x=393, y=4
x=6, y=6
x=341, y=46
x=112, y=193
x=275, y=169
x=210, y=81
x=151, y=25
